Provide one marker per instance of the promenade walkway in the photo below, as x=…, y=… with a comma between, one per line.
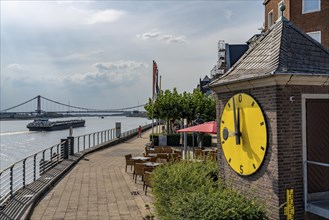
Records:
x=98, y=188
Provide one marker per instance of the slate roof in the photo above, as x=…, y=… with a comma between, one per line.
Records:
x=284, y=49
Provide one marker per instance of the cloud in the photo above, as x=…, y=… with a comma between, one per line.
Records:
x=106, y=16
x=14, y=66
x=119, y=73
x=73, y=2
x=228, y=14
x=82, y=56
x=163, y=37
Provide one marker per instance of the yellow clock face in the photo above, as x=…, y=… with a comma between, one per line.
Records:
x=243, y=134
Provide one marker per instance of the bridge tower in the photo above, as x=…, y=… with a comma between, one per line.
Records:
x=38, y=105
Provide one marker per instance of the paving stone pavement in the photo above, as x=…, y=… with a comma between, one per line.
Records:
x=99, y=188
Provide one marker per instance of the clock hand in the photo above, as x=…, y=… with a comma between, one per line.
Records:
x=238, y=125
x=237, y=138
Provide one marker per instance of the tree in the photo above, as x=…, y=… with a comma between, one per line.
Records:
x=170, y=106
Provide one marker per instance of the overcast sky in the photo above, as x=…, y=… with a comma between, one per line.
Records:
x=98, y=54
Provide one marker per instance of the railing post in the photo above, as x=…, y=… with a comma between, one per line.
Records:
x=97, y=138
x=43, y=159
x=88, y=141
x=11, y=181
x=65, y=148
x=24, y=171
x=34, y=167
x=84, y=141
x=93, y=139
x=118, y=129
x=70, y=141
x=58, y=153
x=0, y=187
x=78, y=144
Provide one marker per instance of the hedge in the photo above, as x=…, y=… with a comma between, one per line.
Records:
x=207, y=140
x=174, y=139
x=192, y=190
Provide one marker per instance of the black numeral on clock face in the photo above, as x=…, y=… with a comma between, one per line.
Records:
x=228, y=104
x=241, y=169
x=240, y=98
x=229, y=160
x=252, y=104
x=254, y=166
x=262, y=123
x=261, y=147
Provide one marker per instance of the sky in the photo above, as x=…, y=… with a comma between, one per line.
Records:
x=98, y=54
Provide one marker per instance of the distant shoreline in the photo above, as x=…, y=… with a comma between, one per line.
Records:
x=69, y=116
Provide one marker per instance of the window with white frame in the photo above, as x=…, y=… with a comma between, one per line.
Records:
x=270, y=20
x=316, y=35
x=311, y=6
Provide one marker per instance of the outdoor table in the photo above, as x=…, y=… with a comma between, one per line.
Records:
x=141, y=158
x=152, y=164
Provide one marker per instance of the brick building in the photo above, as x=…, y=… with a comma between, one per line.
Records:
x=311, y=16
x=287, y=72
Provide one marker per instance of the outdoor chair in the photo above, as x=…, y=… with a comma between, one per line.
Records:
x=161, y=160
x=166, y=150
x=212, y=156
x=146, y=169
x=129, y=161
x=174, y=157
x=198, y=154
x=157, y=150
x=138, y=170
x=162, y=156
x=147, y=181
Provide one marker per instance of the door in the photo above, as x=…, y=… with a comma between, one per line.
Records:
x=317, y=136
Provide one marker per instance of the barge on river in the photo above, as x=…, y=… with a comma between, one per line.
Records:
x=46, y=125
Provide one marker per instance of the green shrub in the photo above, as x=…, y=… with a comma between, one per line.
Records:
x=191, y=190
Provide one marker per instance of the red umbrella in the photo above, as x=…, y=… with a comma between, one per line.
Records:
x=207, y=127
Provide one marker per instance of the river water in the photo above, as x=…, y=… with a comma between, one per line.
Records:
x=17, y=142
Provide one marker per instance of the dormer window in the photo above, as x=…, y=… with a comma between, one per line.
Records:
x=311, y=6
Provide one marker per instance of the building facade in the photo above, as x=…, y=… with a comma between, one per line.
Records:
x=311, y=16
x=287, y=73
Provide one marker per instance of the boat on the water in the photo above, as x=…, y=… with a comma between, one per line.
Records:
x=43, y=124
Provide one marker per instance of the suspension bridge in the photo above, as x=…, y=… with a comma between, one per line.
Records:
x=39, y=105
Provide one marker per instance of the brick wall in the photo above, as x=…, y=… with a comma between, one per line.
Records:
x=309, y=22
x=282, y=168
x=273, y=5
x=265, y=181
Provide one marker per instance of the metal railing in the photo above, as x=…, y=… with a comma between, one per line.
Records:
x=87, y=141
x=29, y=169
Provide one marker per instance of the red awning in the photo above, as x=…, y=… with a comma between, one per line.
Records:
x=207, y=127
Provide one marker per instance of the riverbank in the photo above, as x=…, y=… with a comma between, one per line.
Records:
x=106, y=156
